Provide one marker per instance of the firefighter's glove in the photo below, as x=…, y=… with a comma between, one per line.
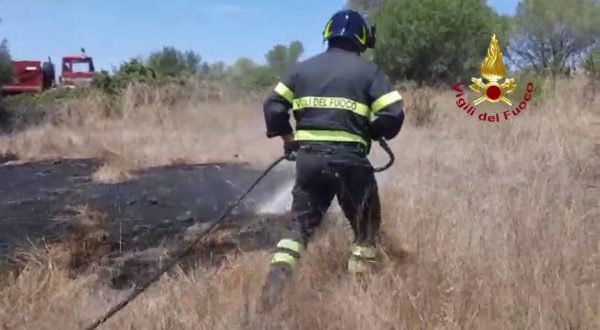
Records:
x=375, y=135
x=289, y=150
x=374, y=132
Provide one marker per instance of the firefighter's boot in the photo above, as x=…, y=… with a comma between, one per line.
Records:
x=362, y=260
x=283, y=264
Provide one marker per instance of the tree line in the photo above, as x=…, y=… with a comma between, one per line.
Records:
x=425, y=41
x=170, y=64
x=430, y=41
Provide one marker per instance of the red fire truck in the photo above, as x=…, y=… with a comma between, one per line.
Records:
x=33, y=76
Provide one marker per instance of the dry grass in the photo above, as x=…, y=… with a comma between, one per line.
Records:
x=112, y=173
x=500, y=220
x=148, y=127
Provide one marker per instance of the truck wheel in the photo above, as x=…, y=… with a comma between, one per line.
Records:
x=48, y=75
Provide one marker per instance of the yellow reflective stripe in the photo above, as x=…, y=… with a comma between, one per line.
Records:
x=386, y=100
x=322, y=135
x=285, y=258
x=363, y=252
x=363, y=39
x=332, y=103
x=327, y=31
x=285, y=92
x=290, y=245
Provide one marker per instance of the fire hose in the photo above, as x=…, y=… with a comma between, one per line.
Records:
x=139, y=289
x=390, y=154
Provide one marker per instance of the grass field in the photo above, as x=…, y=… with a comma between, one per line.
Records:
x=486, y=225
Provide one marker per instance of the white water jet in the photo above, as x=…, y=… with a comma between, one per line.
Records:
x=280, y=200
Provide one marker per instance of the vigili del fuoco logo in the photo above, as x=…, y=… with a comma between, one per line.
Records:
x=491, y=88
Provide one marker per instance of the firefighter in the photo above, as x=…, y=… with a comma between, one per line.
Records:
x=341, y=102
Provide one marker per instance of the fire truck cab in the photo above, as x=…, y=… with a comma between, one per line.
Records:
x=77, y=71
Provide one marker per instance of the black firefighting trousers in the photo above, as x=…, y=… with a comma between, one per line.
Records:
x=324, y=172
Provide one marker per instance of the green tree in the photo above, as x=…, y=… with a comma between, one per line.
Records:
x=193, y=62
x=263, y=77
x=240, y=73
x=364, y=6
x=217, y=69
x=433, y=41
x=591, y=64
x=276, y=58
x=243, y=67
x=205, y=68
x=6, y=66
x=249, y=75
x=551, y=35
x=172, y=62
x=280, y=58
x=294, y=52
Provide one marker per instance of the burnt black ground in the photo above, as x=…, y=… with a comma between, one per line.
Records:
x=159, y=208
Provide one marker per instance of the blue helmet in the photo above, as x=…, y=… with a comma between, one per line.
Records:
x=350, y=24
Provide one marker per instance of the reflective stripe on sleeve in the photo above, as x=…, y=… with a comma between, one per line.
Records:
x=290, y=245
x=285, y=258
x=332, y=103
x=285, y=92
x=324, y=135
x=386, y=100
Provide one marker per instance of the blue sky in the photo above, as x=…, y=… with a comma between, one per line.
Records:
x=114, y=30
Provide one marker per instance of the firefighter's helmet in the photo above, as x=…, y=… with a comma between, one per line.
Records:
x=350, y=24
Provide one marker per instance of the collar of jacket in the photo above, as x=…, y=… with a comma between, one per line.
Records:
x=341, y=50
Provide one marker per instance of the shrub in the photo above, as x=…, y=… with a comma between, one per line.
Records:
x=6, y=66
x=591, y=64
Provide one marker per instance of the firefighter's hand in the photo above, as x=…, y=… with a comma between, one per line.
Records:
x=289, y=147
x=374, y=133
x=375, y=136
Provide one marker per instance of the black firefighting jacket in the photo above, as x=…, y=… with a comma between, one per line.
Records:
x=336, y=96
